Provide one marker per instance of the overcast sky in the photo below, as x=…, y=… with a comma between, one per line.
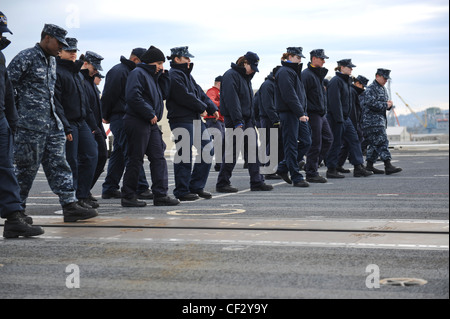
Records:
x=407, y=36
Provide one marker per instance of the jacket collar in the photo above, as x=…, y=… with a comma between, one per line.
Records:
x=182, y=67
x=357, y=89
x=343, y=76
x=130, y=64
x=320, y=72
x=70, y=65
x=150, y=69
x=85, y=73
x=241, y=70
x=294, y=66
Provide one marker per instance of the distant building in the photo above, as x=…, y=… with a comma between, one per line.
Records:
x=398, y=134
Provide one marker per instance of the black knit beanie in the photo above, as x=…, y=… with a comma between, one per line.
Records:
x=153, y=54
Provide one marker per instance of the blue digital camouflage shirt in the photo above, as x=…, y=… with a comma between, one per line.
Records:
x=374, y=106
x=33, y=77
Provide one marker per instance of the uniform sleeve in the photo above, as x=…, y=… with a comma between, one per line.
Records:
x=230, y=97
x=334, y=101
x=59, y=106
x=267, y=102
x=211, y=107
x=17, y=69
x=10, y=106
x=164, y=84
x=114, y=84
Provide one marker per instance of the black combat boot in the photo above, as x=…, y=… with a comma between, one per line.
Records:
x=285, y=177
x=165, y=201
x=74, y=212
x=132, y=202
x=227, y=189
x=87, y=203
x=147, y=195
x=15, y=226
x=391, y=169
x=360, y=171
x=263, y=187
x=333, y=173
x=26, y=218
x=341, y=169
x=374, y=170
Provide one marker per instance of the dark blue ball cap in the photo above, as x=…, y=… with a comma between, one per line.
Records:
x=362, y=79
x=4, y=24
x=346, y=62
x=295, y=51
x=384, y=73
x=253, y=60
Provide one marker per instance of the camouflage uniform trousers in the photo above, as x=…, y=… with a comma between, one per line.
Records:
x=34, y=148
x=378, y=144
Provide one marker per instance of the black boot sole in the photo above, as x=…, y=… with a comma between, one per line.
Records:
x=394, y=172
x=30, y=233
x=173, y=203
x=73, y=219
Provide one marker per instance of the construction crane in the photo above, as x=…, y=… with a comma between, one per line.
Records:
x=411, y=110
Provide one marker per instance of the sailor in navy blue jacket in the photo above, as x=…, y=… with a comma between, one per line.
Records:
x=147, y=87
x=73, y=109
x=186, y=105
x=146, y=92
x=290, y=94
x=113, y=97
x=236, y=105
x=321, y=136
x=290, y=98
x=269, y=117
x=113, y=109
x=340, y=105
x=187, y=100
x=236, y=95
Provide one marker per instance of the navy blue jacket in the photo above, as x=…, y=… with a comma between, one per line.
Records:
x=236, y=95
x=113, y=97
x=93, y=98
x=356, y=113
x=266, y=94
x=145, y=92
x=70, y=95
x=340, y=99
x=290, y=93
x=186, y=100
x=312, y=78
x=7, y=105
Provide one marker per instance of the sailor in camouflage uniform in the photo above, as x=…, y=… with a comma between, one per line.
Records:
x=40, y=137
x=374, y=122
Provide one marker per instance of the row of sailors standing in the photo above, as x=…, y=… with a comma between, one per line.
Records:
x=59, y=95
